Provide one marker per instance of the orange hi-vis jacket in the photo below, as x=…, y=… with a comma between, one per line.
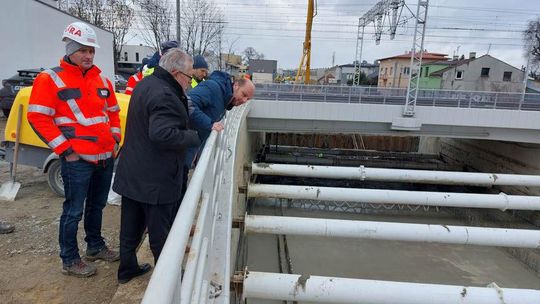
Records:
x=132, y=82
x=72, y=112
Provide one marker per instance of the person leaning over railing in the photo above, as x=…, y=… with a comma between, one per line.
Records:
x=208, y=102
x=149, y=174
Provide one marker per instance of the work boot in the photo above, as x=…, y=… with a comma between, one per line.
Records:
x=6, y=228
x=144, y=268
x=79, y=269
x=104, y=254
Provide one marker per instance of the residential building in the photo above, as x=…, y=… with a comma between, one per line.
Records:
x=231, y=58
x=345, y=73
x=262, y=70
x=130, y=57
x=394, y=72
x=29, y=44
x=233, y=64
x=484, y=73
x=427, y=81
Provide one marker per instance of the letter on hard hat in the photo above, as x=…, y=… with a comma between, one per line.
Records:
x=81, y=33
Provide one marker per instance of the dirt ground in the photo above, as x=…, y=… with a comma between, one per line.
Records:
x=30, y=268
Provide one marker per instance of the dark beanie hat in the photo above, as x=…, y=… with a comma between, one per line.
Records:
x=167, y=45
x=199, y=62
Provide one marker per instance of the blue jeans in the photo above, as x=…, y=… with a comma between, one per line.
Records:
x=90, y=182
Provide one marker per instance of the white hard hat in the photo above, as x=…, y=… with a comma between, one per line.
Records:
x=81, y=33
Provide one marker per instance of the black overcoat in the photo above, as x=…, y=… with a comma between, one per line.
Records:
x=155, y=142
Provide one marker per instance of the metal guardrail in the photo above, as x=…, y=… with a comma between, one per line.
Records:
x=396, y=96
x=170, y=281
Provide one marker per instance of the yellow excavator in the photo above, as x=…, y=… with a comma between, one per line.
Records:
x=304, y=68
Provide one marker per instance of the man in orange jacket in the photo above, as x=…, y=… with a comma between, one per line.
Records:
x=135, y=78
x=73, y=109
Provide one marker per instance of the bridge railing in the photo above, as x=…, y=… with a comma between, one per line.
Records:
x=396, y=96
x=182, y=271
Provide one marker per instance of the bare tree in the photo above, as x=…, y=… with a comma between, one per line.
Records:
x=156, y=18
x=113, y=15
x=250, y=53
x=531, y=36
x=202, y=27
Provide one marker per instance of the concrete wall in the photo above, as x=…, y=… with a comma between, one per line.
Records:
x=473, y=81
x=495, y=157
x=31, y=38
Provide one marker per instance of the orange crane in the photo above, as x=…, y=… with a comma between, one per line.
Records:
x=303, y=69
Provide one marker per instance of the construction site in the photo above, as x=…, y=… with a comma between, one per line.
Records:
x=398, y=193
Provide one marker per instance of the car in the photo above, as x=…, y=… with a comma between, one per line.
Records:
x=11, y=86
x=120, y=82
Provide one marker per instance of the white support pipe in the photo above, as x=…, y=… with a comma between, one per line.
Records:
x=316, y=289
x=200, y=272
x=375, y=196
x=398, y=175
x=463, y=235
x=193, y=256
x=163, y=285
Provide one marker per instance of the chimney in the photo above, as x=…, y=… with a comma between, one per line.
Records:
x=472, y=55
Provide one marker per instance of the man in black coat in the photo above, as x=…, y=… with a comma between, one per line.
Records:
x=149, y=173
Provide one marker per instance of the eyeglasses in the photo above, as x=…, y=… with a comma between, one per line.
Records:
x=188, y=76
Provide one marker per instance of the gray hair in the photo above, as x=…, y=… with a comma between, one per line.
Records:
x=176, y=60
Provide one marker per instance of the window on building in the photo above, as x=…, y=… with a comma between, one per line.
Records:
x=507, y=76
x=485, y=72
x=406, y=71
x=137, y=56
x=426, y=71
x=459, y=74
x=125, y=56
x=385, y=71
x=391, y=70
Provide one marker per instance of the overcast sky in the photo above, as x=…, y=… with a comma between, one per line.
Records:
x=277, y=29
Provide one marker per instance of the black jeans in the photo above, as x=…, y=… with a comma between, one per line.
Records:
x=135, y=217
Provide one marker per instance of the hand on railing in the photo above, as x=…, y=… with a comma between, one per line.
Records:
x=218, y=126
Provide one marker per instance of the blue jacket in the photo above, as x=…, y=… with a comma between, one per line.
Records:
x=209, y=100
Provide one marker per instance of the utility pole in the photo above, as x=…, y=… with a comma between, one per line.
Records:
x=416, y=57
x=390, y=8
x=178, y=26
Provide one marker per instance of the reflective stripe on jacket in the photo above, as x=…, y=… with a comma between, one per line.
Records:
x=74, y=112
x=194, y=82
x=132, y=82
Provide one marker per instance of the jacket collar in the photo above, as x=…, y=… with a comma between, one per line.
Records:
x=164, y=75
x=66, y=65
